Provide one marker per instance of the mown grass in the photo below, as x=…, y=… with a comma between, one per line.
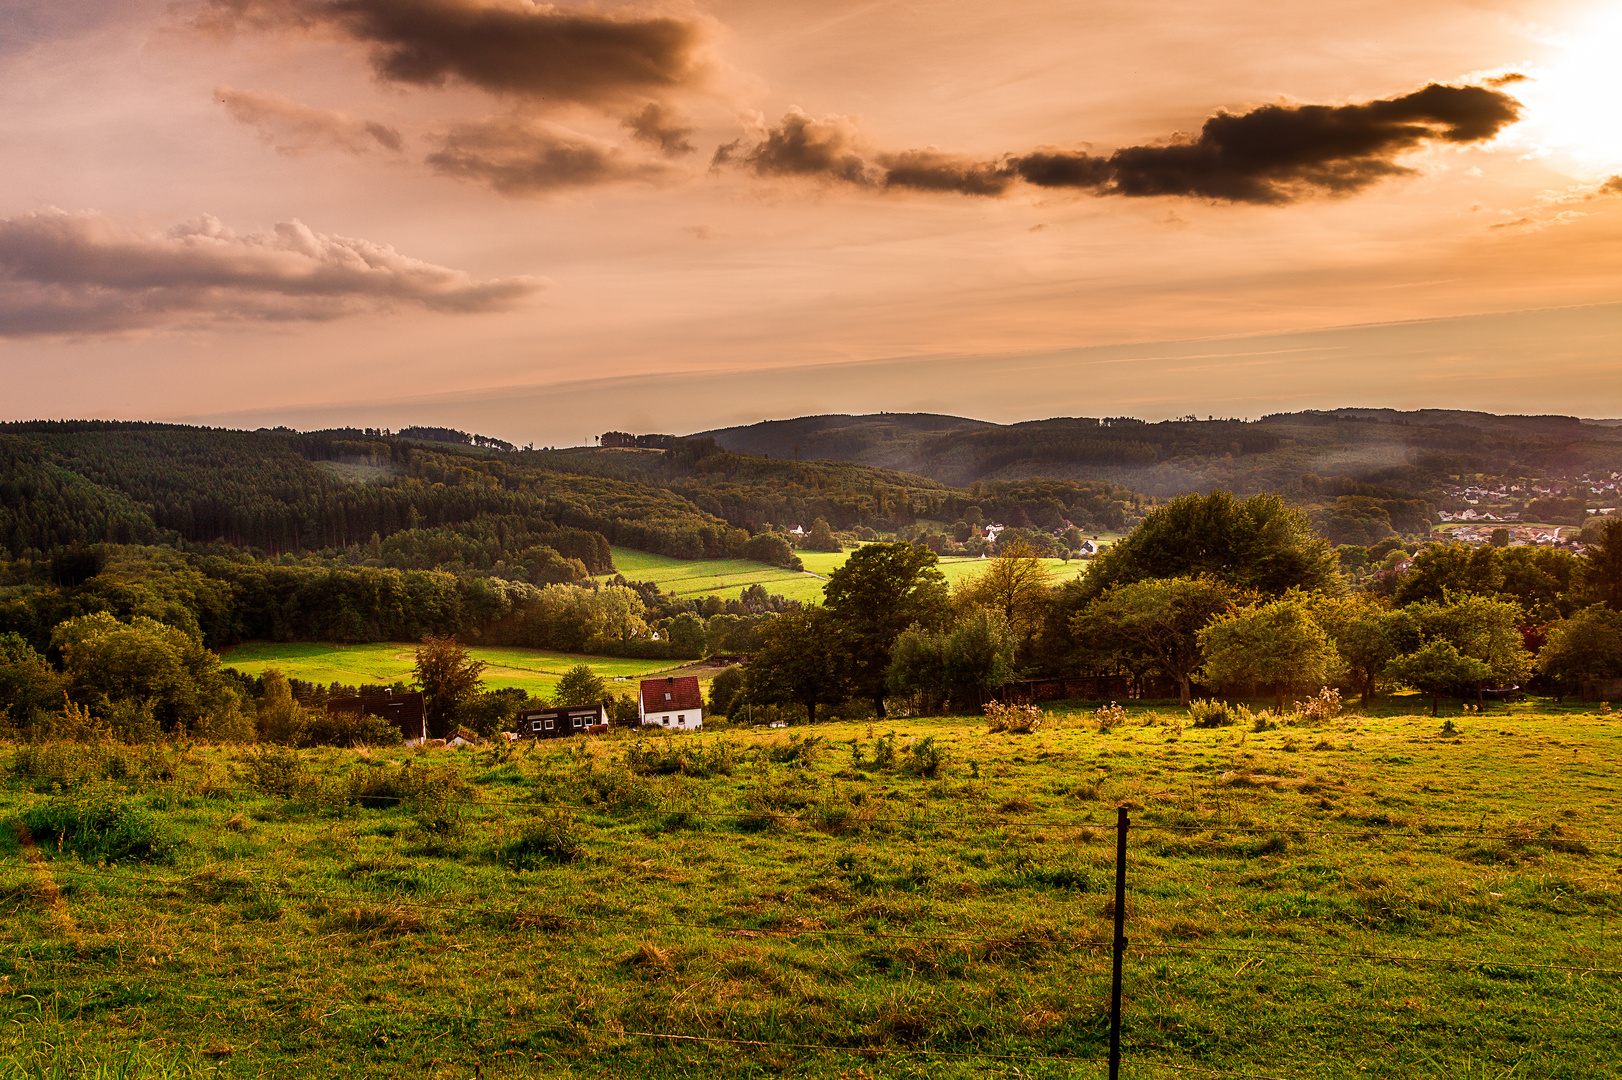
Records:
x=893, y=893
x=534, y=670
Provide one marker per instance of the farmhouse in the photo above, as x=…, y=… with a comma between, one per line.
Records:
x=672, y=703
x=562, y=722
x=404, y=711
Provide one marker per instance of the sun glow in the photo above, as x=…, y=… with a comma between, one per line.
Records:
x=1573, y=102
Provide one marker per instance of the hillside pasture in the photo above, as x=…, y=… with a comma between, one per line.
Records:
x=727, y=578
x=534, y=670
x=1366, y=896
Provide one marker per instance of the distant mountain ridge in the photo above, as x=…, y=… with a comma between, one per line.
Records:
x=1406, y=450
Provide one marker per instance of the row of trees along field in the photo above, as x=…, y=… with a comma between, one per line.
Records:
x=1240, y=596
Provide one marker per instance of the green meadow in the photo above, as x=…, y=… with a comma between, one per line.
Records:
x=728, y=577
x=534, y=670
x=1366, y=896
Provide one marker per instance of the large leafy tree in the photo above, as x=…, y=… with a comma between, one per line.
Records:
x=143, y=661
x=580, y=686
x=1483, y=629
x=1277, y=646
x=799, y=661
x=1368, y=635
x=1586, y=646
x=1602, y=574
x=960, y=666
x=879, y=592
x=1157, y=620
x=1436, y=668
x=1014, y=585
x=1256, y=543
x=448, y=676
x=29, y=686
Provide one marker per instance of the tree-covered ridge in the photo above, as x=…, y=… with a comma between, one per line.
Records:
x=1412, y=453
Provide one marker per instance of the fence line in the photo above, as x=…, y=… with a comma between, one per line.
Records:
x=1302, y=825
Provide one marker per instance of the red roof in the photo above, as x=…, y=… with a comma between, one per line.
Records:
x=671, y=694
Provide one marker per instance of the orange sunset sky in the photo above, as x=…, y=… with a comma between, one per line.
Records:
x=544, y=221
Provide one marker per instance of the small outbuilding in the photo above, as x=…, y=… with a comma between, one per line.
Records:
x=404, y=711
x=562, y=722
x=672, y=702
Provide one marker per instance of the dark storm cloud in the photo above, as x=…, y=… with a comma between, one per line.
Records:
x=660, y=127
x=63, y=273
x=508, y=47
x=824, y=149
x=1271, y=155
x=520, y=156
x=293, y=128
x=1281, y=153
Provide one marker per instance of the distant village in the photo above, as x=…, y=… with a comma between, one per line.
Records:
x=1478, y=511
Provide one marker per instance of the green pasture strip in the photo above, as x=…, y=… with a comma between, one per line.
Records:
x=526, y=910
x=721, y=577
x=534, y=670
x=728, y=577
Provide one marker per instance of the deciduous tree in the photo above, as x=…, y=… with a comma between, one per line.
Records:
x=1277, y=646
x=1158, y=619
x=580, y=686
x=799, y=661
x=1257, y=544
x=880, y=591
x=447, y=675
x=1436, y=668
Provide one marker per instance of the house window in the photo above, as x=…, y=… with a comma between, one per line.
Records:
x=549, y=723
x=578, y=722
x=536, y=725
x=667, y=696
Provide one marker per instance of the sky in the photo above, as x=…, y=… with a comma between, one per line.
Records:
x=544, y=221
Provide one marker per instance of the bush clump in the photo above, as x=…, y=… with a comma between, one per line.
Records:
x=1324, y=706
x=99, y=826
x=1014, y=719
x=1210, y=713
x=701, y=762
x=552, y=838
x=923, y=758
x=1110, y=716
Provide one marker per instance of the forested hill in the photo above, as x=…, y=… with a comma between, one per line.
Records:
x=1409, y=452
x=475, y=504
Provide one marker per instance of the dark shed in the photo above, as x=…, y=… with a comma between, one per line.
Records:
x=404, y=711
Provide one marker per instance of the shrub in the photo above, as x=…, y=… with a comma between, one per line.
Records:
x=1014, y=719
x=797, y=750
x=70, y=764
x=97, y=825
x=350, y=729
x=884, y=752
x=1109, y=716
x=923, y=758
x=277, y=770
x=550, y=838
x=1209, y=713
x=432, y=789
x=650, y=759
x=1325, y=706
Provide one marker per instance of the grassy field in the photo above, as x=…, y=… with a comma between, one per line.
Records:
x=535, y=670
x=1373, y=896
x=728, y=577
